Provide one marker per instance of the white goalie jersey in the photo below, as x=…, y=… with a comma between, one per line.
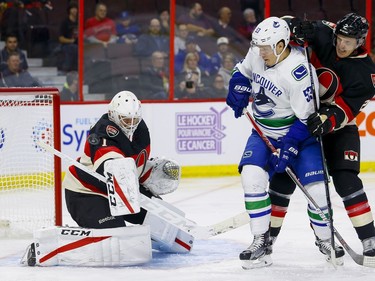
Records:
x=281, y=93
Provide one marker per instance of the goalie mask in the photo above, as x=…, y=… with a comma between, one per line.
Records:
x=125, y=110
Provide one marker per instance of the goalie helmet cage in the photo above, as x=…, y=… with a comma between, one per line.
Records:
x=30, y=177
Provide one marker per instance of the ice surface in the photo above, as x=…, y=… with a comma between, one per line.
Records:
x=207, y=201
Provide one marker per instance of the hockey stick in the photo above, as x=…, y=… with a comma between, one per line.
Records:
x=320, y=140
x=204, y=232
x=153, y=206
x=359, y=259
x=147, y=203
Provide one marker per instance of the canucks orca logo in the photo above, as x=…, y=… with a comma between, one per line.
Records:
x=276, y=24
x=263, y=104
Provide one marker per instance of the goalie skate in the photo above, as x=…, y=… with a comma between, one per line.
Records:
x=325, y=248
x=259, y=252
x=29, y=258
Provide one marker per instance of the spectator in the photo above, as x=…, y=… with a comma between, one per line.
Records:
x=255, y=5
x=196, y=21
x=191, y=66
x=14, y=76
x=70, y=89
x=229, y=61
x=155, y=79
x=11, y=45
x=248, y=24
x=152, y=41
x=68, y=39
x=38, y=24
x=127, y=31
x=222, y=26
x=217, y=89
x=191, y=88
x=191, y=47
x=217, y=58
x=180, y=39
x=100, y=28
x=14, y=21
x=164, y=22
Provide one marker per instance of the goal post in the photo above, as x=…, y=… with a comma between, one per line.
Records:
x=30, y=177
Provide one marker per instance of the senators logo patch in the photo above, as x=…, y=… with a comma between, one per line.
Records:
x=111, y=131
x=351, y=155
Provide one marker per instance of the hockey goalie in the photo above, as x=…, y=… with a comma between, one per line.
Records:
x=113, y=229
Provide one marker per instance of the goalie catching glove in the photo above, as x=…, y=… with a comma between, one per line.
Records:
x=161, y=176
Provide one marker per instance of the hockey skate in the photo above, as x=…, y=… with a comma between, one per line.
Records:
x=259, y=252
x=369, y=247
x=325, y=248
x=29, y=258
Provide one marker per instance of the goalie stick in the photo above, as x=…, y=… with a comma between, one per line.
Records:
x=357, y=258
x=153, y=206
x=147, y=203
x=204, y=232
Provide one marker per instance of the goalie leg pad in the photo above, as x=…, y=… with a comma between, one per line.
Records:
x=166, y=237
x=75, y=246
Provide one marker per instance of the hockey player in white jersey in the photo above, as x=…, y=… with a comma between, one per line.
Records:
x=276, y=75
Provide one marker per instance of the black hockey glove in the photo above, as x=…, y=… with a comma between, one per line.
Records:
x=324, y=121
x=302, y=31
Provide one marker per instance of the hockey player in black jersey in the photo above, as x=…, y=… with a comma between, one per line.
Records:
x=347, y=73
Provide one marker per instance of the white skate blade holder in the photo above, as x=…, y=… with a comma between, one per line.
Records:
x=258, y=263
x=337, y=262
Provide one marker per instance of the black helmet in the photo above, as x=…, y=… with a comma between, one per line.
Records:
x=354, y=26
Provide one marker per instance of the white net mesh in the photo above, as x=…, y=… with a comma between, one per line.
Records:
x=26, y=171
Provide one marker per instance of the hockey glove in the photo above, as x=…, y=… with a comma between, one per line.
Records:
x=324, y=121
x=239, y=93
x=302, y=31
x=288, y=152
x=288, y=146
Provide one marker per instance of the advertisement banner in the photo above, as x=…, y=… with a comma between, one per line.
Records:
x=194, y=134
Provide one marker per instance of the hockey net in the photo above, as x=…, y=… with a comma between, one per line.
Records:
x=30, y=177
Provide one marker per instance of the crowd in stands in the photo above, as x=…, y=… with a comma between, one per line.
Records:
x=204, y=46
x=135, y=47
